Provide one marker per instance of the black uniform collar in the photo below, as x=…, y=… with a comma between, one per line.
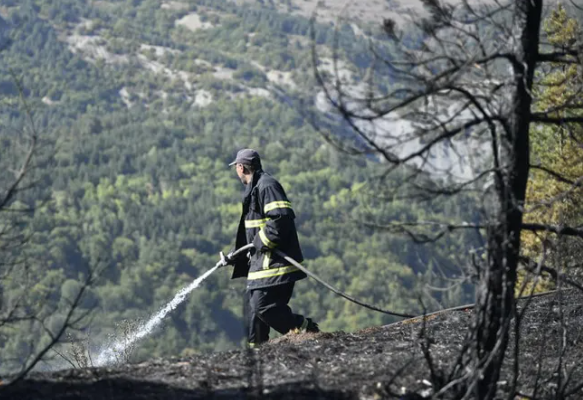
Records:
x=250, y=186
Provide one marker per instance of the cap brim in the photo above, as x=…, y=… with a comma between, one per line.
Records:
x=233, y=163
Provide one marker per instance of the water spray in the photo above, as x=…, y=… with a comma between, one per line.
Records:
x=112, y=354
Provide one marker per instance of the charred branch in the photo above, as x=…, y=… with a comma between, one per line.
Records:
x=535, y=267
x=559, y=230
x=559, y=177
x=543, y=118
x=560, y=57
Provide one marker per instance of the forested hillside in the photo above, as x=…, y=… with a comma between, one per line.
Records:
x=140, y=105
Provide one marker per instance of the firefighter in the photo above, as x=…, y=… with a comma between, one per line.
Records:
x=267, y=221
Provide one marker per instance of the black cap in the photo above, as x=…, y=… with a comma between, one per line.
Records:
x=247, y=156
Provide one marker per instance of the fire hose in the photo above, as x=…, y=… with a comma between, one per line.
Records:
x=338, y=292
x=360, y=303
x=317, y=278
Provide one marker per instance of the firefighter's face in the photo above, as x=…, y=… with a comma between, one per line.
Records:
x=241, y=173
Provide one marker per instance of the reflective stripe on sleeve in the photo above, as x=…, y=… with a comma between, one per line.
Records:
x=256, y=223
x=265, y=240
x=271, y=272
x=277, y=204
x=266, y=259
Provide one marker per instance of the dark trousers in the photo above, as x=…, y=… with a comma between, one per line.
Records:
x=268, y=309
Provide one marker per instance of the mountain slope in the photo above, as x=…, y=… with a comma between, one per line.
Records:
x=140, y=106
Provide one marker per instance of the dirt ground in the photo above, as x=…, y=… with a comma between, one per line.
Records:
x=375, y=363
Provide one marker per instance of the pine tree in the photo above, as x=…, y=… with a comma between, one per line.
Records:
x=555, y=201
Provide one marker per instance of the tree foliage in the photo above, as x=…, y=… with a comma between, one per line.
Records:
x=555, y=199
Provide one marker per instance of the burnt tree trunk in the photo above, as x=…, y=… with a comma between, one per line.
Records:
x=495, y=294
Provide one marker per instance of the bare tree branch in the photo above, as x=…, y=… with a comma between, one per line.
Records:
x=557, y=276
x=559, y=230
x=554, y=174
x=545, y=119
x=560, y=57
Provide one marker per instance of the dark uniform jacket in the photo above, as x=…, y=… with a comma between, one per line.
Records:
x=267, y=221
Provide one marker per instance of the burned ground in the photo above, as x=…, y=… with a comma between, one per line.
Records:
x=382, y=362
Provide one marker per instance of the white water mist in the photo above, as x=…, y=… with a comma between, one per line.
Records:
x=110, y=355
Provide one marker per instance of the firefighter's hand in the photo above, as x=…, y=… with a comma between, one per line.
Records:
x=226, y=259
x=250, y=253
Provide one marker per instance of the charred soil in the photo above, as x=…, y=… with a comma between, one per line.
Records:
x=375, y=363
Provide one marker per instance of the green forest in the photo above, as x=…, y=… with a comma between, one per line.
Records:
x=137, y=118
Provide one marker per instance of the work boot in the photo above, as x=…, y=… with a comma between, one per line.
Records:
x=309, y=326
x=253, y=346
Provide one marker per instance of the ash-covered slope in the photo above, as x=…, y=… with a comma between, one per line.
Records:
x=381, y=362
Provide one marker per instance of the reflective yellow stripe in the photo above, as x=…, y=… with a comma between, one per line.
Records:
x=277, y=204
x=256, y=223
x=268, y=273
x=265, y=240
x=266, y=258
